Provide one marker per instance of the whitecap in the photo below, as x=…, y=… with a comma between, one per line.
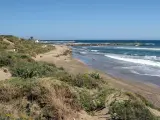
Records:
x=139, y=48
x=133, y=60
x=146, y=74
x=83, y=52
x=94, y=50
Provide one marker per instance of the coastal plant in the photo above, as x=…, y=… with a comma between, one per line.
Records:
x=94, y=101
x=129, y=110
x=80, y=80
x=33, y=69
x=5, y=60
x=37, y=99
x=10, y=58
x=145, y=101
x=85, y=80
x=95, y=75
x=24, y=46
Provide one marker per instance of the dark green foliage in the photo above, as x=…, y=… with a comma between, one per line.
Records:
x=22, y=65
x=80, y=80
x=61, y=68
x=10, y=58
x=5, y=60
x=33, y=69
x=95, y=75
x=84, y=80
x=92, y=102
x=130, y=110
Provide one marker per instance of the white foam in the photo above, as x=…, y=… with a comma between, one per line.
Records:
x=152, y=58
x=135, y=72
x=83, y=52
x=139, y=48
x=149, y=44
x=94, y=50
x=133, y=60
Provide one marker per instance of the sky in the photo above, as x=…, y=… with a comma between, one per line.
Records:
x=81, y=19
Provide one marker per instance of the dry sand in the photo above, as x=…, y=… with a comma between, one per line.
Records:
x=4, y=74
x=74, y=66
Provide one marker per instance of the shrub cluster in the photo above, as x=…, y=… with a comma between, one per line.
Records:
x=80, y=80
x=130, y=110
x=91, y=102
x=24, y=46
x=8, y=59
x=33, y=69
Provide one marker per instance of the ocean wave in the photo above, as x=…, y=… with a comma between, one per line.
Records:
x=152, y=58
x=94, y=50
x=139, y=48
x=133, y=60
x=149, y=44
x=83, y=52
x=147, y=74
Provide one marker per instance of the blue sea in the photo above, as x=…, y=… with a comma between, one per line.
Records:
x=139, y=63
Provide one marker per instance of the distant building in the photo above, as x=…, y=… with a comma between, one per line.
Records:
x=36, y=41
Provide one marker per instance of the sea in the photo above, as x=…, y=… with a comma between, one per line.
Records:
x=135, y=60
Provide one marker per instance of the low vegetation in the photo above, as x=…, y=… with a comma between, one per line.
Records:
x=130, y=110
x=40, y=90
x=23, y=46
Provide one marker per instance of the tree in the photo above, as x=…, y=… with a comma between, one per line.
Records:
x=31, y=38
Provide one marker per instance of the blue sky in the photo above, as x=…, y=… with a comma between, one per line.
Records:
x=81, y=19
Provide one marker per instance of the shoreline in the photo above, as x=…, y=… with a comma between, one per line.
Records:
x=76, y=66
x=148, y=90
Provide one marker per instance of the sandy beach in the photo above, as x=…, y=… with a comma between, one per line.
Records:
x=74, y=66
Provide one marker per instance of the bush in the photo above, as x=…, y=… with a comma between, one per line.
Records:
x=33, y=69
x=92, y=102
x=24, y=46
x=95, y=75
x=10, y=58
x=84, y=80
x=5, y=60
x=146, y=102
x=130, y=110
x=80, y=80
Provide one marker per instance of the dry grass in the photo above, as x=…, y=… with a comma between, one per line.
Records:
x=43, y=98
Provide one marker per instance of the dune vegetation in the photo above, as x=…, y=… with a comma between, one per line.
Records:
x=40, y=90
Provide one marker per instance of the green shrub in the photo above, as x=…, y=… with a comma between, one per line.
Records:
x=11, y=58
x=145, y=101
x=92, y=102
x=130, y=110
x=33, y=69
x=80, y=80
x=95, y=75
x=84, y=80
x=24, y=46
x=5, y=60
